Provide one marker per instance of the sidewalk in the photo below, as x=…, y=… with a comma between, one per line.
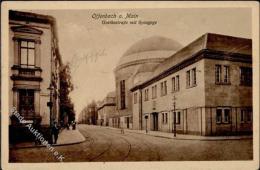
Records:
x=183, y=136
x=66, y=137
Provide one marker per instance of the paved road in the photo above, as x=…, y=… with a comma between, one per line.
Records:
x=104, y=144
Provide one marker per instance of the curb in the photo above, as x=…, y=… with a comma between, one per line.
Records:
x=179, y=138
x=40, y=146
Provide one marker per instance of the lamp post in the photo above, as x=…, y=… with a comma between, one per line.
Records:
x=50, y=103
x=174, y=116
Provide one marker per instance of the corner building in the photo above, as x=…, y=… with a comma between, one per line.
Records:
x=34, y=63
x=207, y=85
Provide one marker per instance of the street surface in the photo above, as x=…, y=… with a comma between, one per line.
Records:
x=103, y=144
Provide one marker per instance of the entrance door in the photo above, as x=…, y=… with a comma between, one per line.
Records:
x=127, y=122
x=26, y=103
x=155, y=121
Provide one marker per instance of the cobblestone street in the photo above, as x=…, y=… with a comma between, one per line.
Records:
x=104, y=144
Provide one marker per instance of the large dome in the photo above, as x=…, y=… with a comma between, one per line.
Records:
x=155, y=47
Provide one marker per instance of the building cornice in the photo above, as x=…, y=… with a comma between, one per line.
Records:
x=17, y=67
x=204, y=53
x=31, y=17
x=26, y=78
x=26, y=29
x=150, y=60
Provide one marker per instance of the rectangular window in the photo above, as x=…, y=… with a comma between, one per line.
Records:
x=26, y=103
x=242, y=115
x=27, y=53
x=218, y=73
x=194, y=79
x=226, y=74
x=163, y=88
x=222, y=74
x=223, y=115
x=246, y=76
x=191, y=79
x=135, y=98
x=122, y=94
x=177, y=83
x=219, y=116
x=154, y=91
x=146, y=94
x=173, y=84
x=163, y=118
x=188, y=79
x=245, y=115
x=178, y=118
x=226, y=115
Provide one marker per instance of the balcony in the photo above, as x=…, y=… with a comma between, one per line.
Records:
x=26, y=73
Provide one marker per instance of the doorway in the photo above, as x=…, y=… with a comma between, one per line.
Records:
x=127, y=122
x=155, y=121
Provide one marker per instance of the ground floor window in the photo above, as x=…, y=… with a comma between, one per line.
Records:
x=223, y=115
x=178, y=120
x=177, y=117
x=26, y=103
x=245, y=115
x=164, y=118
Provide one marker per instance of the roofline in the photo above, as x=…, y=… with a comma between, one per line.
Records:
x=196, y=57
x=29, y=16
x=142, y=61
x=204, y=53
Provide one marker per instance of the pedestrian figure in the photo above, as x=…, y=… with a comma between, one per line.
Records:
x=55, y=132
x=74, y=125
x=68, y=126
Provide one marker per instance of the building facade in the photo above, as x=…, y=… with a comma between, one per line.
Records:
x=107, y=111
x=136, y=64
x=203, y=89
x=34, y=67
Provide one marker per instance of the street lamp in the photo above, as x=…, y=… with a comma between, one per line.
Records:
x=174, y=116
x=50, y=103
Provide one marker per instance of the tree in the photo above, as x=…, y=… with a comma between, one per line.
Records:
x=66, y=86
x=88, y=114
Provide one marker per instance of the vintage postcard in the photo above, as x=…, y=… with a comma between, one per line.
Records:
x=127, y=85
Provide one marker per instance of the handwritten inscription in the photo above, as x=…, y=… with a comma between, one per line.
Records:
x=90, y=57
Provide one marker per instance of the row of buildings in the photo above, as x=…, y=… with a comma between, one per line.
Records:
x=34, y=62
x=204, y=88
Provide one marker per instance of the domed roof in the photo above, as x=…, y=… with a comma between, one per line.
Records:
x=153, y=43
x=155, y=47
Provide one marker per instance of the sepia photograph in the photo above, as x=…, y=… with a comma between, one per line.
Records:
x=119, y=83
